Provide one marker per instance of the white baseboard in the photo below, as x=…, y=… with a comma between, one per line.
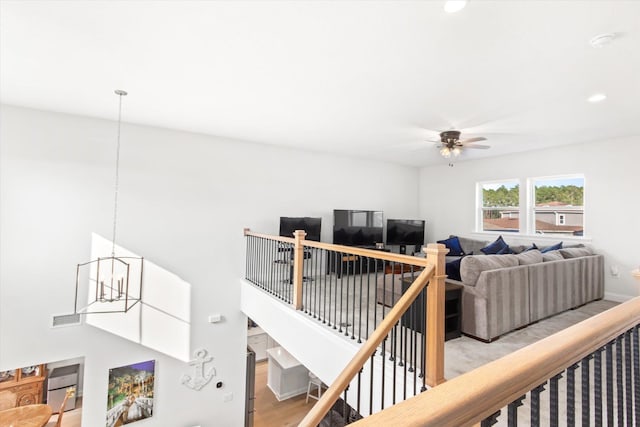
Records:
x=617, y=297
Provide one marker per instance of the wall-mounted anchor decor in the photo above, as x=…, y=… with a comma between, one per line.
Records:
x=200, y=377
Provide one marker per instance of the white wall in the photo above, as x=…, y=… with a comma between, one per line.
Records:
x=612, y=205
x=184, y=199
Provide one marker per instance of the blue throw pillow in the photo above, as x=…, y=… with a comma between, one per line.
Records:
x=552, y=248
x=494, y=247
x=505, y=250
x=453, y=244
x=530, y=248
x=452, y=269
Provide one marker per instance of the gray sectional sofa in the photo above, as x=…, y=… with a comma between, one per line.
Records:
x=502, y=293
x=506, y=292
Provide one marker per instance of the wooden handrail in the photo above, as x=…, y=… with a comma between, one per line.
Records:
x=323, y=406
x=248, y=232
x=371, y=253
x=471, y=397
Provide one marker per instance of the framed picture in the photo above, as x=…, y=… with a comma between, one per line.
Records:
x=130, y=393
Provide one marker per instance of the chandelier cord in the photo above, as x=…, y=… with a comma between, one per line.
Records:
x=120, y=93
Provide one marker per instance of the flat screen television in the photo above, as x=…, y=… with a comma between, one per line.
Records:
x=311, y=225
x=405, y=232
x=357, y=227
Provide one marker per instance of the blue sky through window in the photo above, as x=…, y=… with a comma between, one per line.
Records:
x=559, y=182
x=494, y=186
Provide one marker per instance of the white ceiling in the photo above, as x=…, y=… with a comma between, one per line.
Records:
x=371, y=78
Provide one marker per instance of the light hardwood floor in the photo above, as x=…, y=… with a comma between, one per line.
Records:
x=271, y=413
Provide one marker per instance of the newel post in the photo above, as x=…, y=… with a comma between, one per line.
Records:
x=298, y=263
x=434, y=320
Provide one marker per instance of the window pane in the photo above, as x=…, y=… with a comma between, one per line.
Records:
x=559, y=206
x=501, y=206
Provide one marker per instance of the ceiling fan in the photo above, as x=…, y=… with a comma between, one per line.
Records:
x=450, y=143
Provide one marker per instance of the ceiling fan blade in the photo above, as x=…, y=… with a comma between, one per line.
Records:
x=482, y=147
x=476, y=139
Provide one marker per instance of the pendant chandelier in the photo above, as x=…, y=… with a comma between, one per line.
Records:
x=114, y=283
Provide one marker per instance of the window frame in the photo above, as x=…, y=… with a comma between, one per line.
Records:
x=527, y=206
x=480, y=209
x=531, y=200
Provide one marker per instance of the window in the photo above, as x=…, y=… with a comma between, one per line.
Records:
x=558, y=207
x=500, y=206
x=561, y=219
x=554, y=206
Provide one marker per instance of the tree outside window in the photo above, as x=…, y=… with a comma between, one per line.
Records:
x=500, y=206
x=559, y=205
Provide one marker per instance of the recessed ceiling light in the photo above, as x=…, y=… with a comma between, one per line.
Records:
x=602, y=40
x=452, y=6
x=597, y=97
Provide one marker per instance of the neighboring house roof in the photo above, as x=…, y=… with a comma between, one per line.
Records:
x=547, y=226
x=502, y=224
x=513, y=224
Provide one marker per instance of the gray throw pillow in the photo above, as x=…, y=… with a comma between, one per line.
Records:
x=576, y=252
x=534, y=256
x=552, y=256
x=517, y=248
x=471, y=245
x=471, y=266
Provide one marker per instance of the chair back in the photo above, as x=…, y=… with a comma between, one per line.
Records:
x=8, y=399
x=70, y=392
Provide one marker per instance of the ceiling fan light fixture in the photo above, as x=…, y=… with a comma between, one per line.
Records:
x=445, y=152
x=452, y=6
x=456, y=151
x=597, y=97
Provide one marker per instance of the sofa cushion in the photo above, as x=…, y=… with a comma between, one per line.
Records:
x=577, y=245
x=495, y=246
x=453, y=244
x=471, y=266
x=551, y=248
x=471, y=245
x=533, y=256
x=517, y=249
x=551, y=256
x=575, y=252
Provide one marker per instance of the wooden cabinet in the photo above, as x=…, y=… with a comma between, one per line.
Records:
x=414, y=317
x=22, y=386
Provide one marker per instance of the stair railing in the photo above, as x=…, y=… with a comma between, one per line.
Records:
x=345, y=269
x=597, y=360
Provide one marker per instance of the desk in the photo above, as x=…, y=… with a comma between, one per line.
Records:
x=344, y=263
x=286, y=376
x=26, y=416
